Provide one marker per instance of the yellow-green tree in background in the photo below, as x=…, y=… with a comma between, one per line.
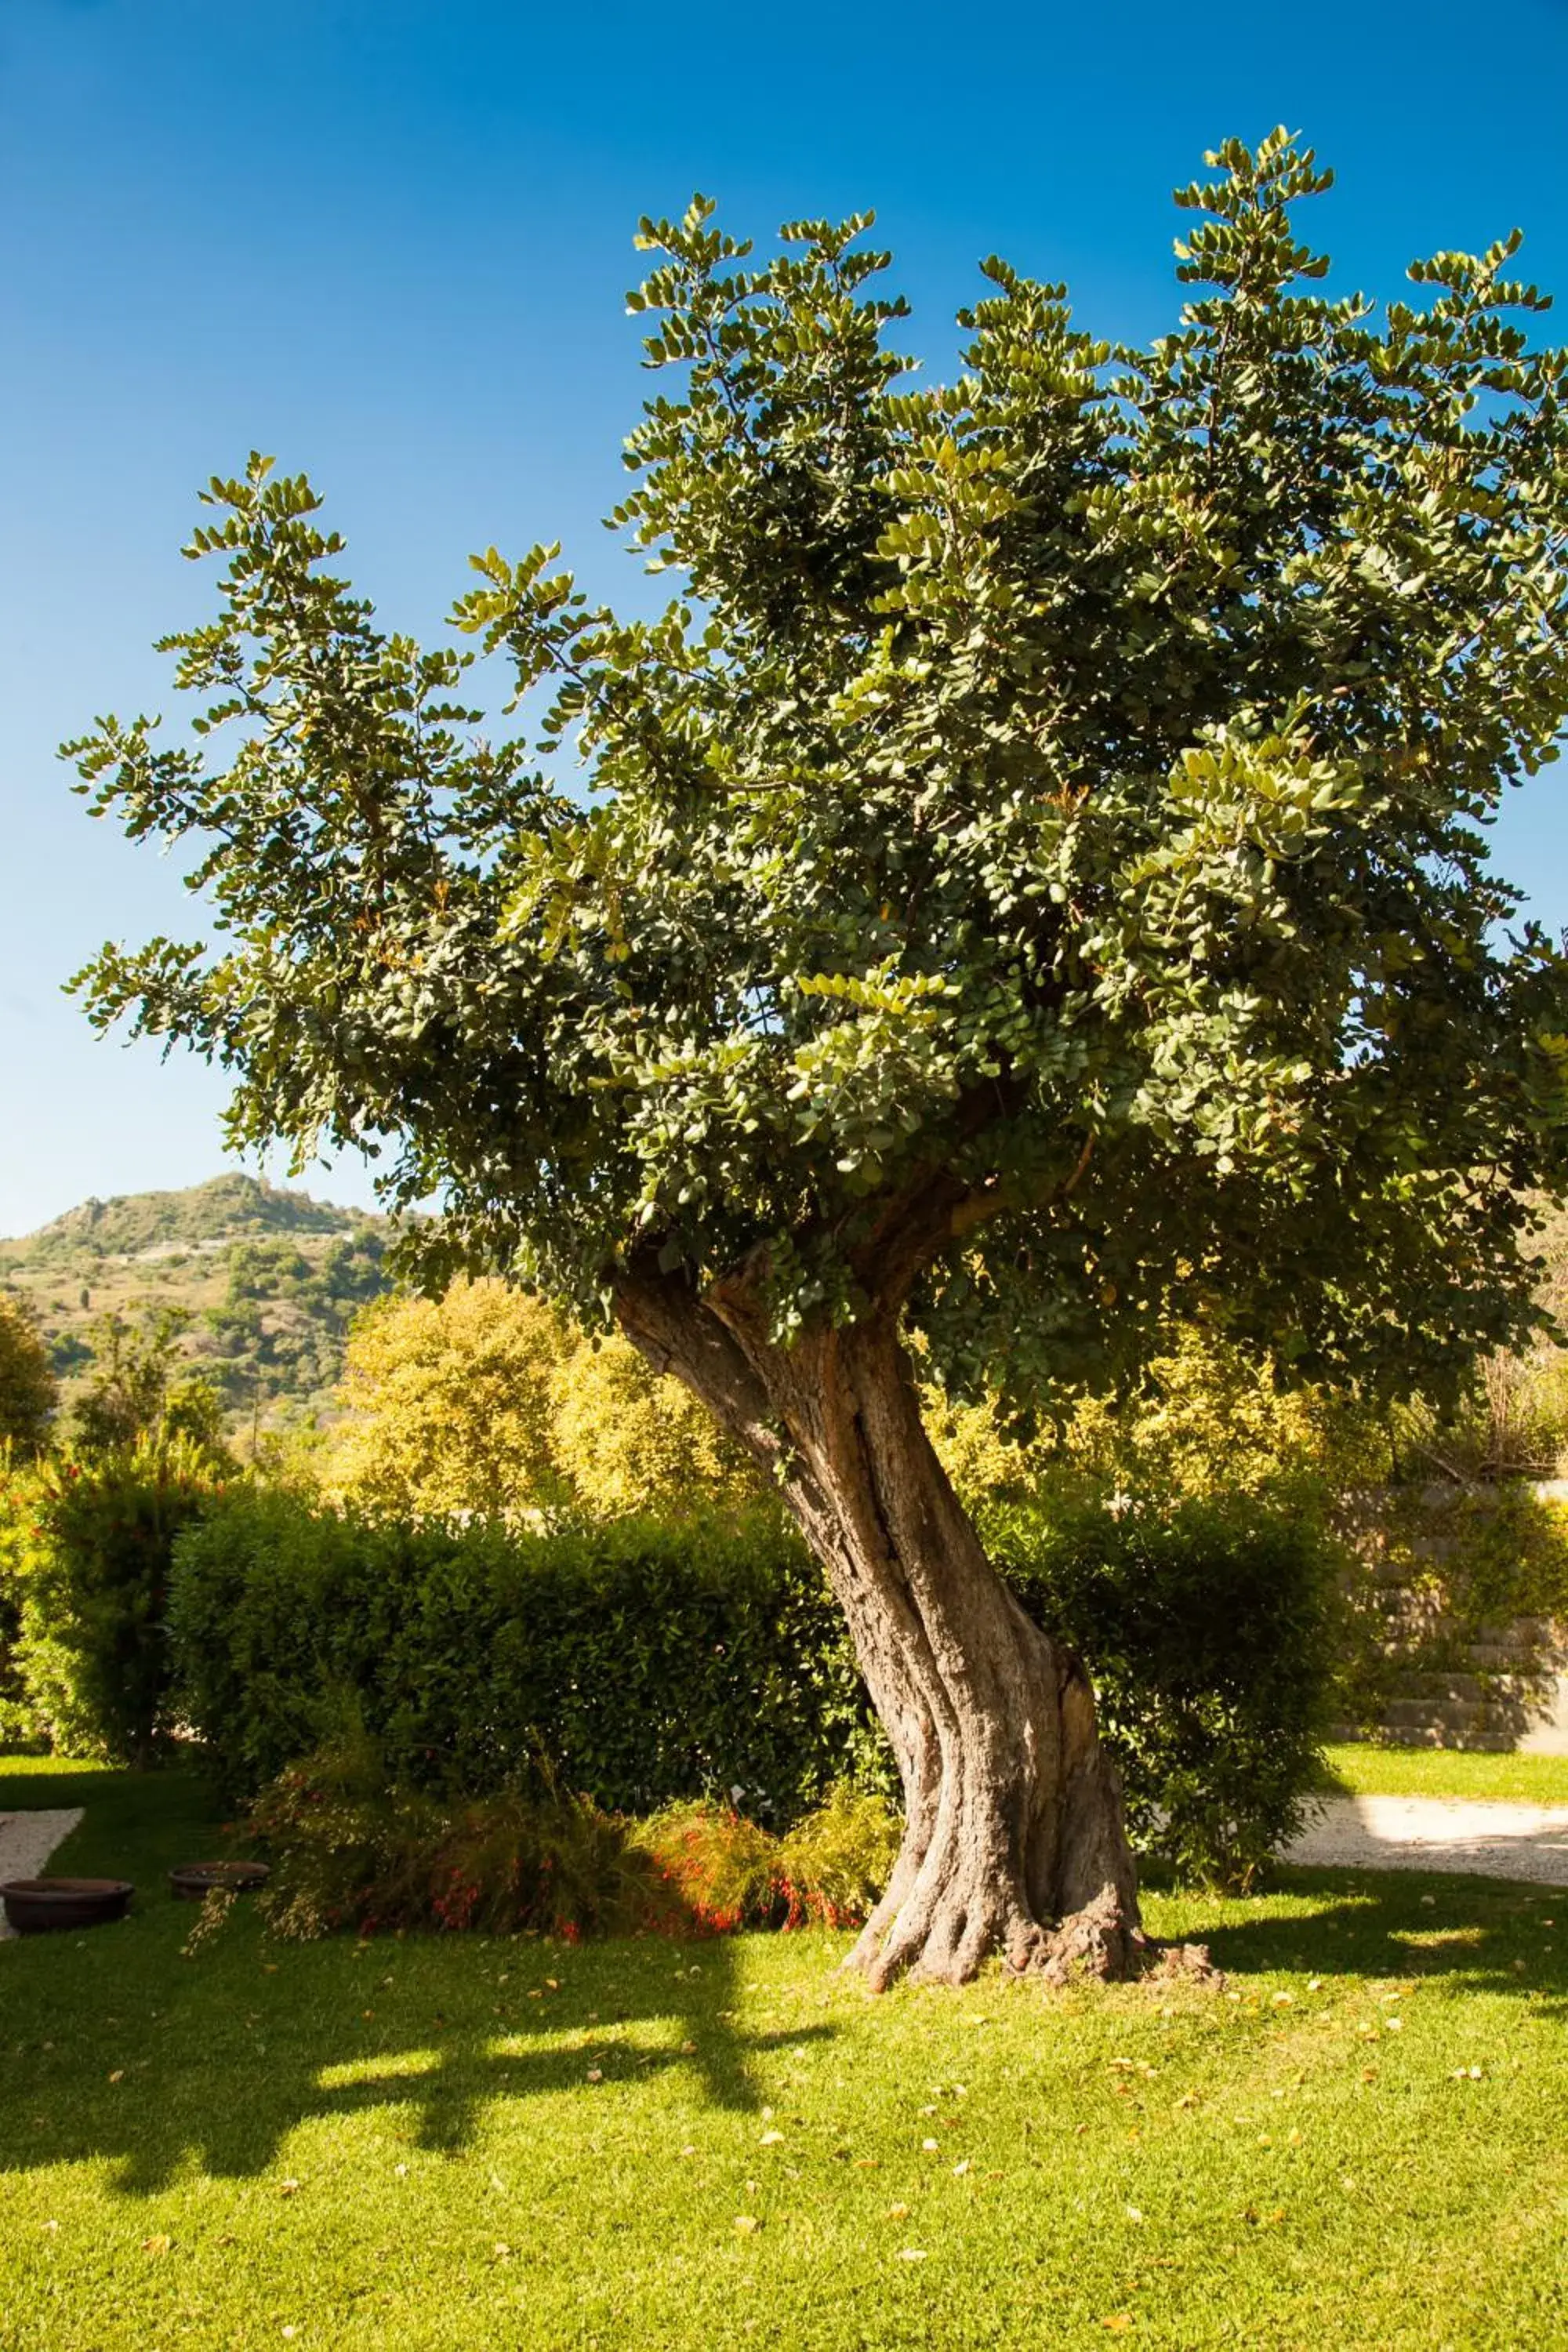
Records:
x=489, y=1402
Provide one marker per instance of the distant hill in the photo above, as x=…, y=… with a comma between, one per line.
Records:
x=269, y=1278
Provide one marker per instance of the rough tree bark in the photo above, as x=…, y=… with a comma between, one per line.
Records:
x=1014, y=1836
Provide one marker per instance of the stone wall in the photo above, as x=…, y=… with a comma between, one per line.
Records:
x=1434, y=1676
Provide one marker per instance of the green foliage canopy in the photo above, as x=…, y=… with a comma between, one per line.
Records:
x=1050, y=815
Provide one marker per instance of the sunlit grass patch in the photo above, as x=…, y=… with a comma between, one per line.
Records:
x=445, y=2143
x=1363, y=1770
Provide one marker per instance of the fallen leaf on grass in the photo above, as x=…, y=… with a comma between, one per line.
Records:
x=930, y=2146
x=1119, y=2322
x=915, y=2254
x=746, y=2224
x=595, y=2074
x=118, y=2075
x=771, y=2140
x=898, y=2212
x=158, y=2245
x=688, y=2049
x=960, y=2169
x=287, y=2188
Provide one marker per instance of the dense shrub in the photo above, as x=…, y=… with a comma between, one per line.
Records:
x=725, y=1871
x=1211, y=1631
x=90, y=1546
x=19, y=1497
x=642, y=1662
x=644, y=1665
x=350, y=1850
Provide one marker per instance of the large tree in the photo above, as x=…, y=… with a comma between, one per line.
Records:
x=1031, y=883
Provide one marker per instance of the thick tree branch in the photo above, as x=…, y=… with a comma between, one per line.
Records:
x=676, y=1332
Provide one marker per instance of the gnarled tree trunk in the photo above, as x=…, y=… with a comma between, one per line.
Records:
x=1013, y=1837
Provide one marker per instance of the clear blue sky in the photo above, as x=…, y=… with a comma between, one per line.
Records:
x=388, y=239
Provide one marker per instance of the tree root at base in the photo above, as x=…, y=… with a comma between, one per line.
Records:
x=1097, y=1944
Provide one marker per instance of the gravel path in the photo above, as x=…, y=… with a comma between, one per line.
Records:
x=1438, y=1833
x=26, y=1842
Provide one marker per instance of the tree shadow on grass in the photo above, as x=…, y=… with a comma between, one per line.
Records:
x=115, y=2046
x=247, y=2043
x=1489, y=1934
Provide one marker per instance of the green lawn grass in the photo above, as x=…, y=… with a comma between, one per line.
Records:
x=406, y=2146
x=1363, y=1770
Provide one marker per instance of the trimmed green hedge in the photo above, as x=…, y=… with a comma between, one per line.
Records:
x=1212, y=1632
x=643, y=1662
x=647, y=1662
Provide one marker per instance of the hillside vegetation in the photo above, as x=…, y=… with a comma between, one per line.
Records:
x=268, y=1280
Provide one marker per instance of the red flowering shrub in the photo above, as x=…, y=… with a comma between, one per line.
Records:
x=348, y=1850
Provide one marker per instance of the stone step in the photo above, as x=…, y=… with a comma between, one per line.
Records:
x=1436, y=1684
x=1489, y=1743
x=1416, y=1714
